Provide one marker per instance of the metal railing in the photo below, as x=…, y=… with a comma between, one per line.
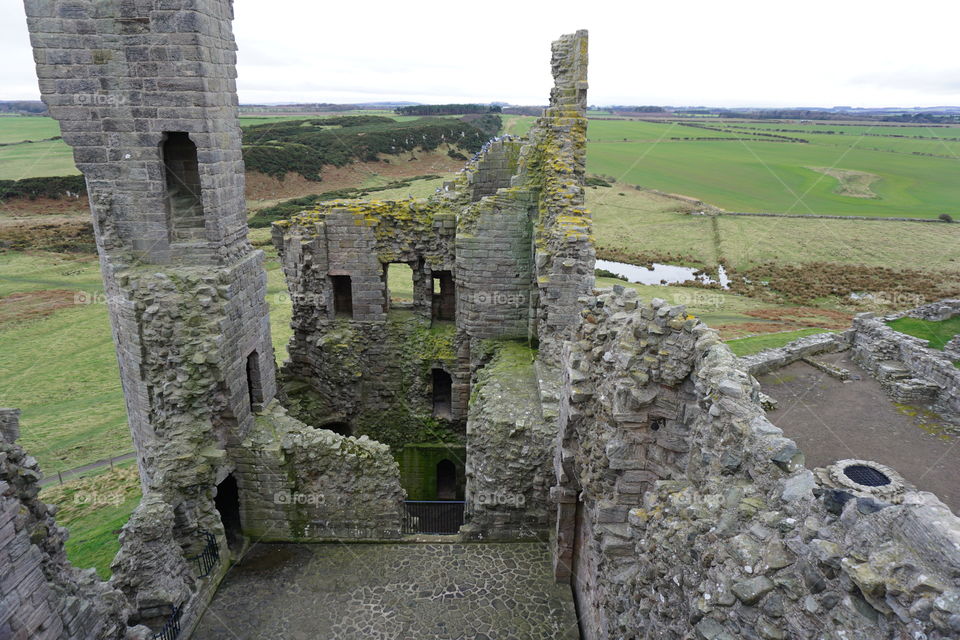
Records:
x=433, y=517
x=171, y=628
x=208, y=558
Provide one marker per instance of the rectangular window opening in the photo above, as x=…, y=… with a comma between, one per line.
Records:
x=254, y=385
x=342, y=296
x=444, y=296
x=398, y=285
x=442, y=394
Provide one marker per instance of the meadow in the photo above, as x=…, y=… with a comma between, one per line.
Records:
x=733, y=165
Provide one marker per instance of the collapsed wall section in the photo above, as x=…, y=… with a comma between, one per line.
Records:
x=906, y=367
x=509, y=449
x=42, y=596
x=375, y=365
x=306, y=484
x=681, y=507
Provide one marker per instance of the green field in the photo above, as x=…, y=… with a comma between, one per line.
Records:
x=756, y=344
x=756, y=176
x=19, y=128
x=938, y=334
x=751, y=175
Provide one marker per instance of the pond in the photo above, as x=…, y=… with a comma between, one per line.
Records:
x=658, y=274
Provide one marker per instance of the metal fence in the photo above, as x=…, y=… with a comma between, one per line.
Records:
x=433, y=517
x=171, y=629
x=207, y=559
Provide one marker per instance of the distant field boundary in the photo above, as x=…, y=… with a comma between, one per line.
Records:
x=824, y=217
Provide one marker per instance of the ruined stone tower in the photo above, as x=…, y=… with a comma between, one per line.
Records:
x=145, y=94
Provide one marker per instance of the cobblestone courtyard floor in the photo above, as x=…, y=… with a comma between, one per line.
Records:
x=391, y=592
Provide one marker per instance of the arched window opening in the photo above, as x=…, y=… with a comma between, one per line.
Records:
x=182, y=172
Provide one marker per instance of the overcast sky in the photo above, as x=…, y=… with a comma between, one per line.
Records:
x=676, y=52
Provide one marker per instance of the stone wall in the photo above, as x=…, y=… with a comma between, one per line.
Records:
x=701, y=520
x=908, y=370
x=936, y=311
x=509, y=450
x=772, y=359
x=306, y=484
x=496, y=297
x=371, y=369
x=492, y=168
x=42, y=596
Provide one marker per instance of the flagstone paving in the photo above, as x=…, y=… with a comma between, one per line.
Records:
x=391, y=592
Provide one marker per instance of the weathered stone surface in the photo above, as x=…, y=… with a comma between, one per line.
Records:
x=721, y=534
x=41, y=594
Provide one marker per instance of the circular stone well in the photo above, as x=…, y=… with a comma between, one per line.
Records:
x=867, y=479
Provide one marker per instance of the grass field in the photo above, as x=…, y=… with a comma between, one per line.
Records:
x=94, y=509
x=774, y=177
x=752, y=174
x=19, y=128
x=938, y=334
x=756, y=344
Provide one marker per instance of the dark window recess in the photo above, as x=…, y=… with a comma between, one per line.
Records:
x=442, y=394
x=446, y=480
x=342, y=296
x=228, y=505
x=444, y=296
x=342, y=428
x=182, y=171
x=254, y=387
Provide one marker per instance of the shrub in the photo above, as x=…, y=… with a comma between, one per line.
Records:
x=305, y=146
x=597, y=181
x=50, y=187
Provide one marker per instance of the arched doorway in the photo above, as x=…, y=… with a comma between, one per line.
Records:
x=227, y=503
x=446, y=480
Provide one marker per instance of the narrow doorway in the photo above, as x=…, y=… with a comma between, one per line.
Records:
x=227, y=503
x=182, y=174
x=342, y=296
x=446, y=480
x=442, y=394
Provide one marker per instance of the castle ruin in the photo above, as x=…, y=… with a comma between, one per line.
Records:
x=622, y=433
